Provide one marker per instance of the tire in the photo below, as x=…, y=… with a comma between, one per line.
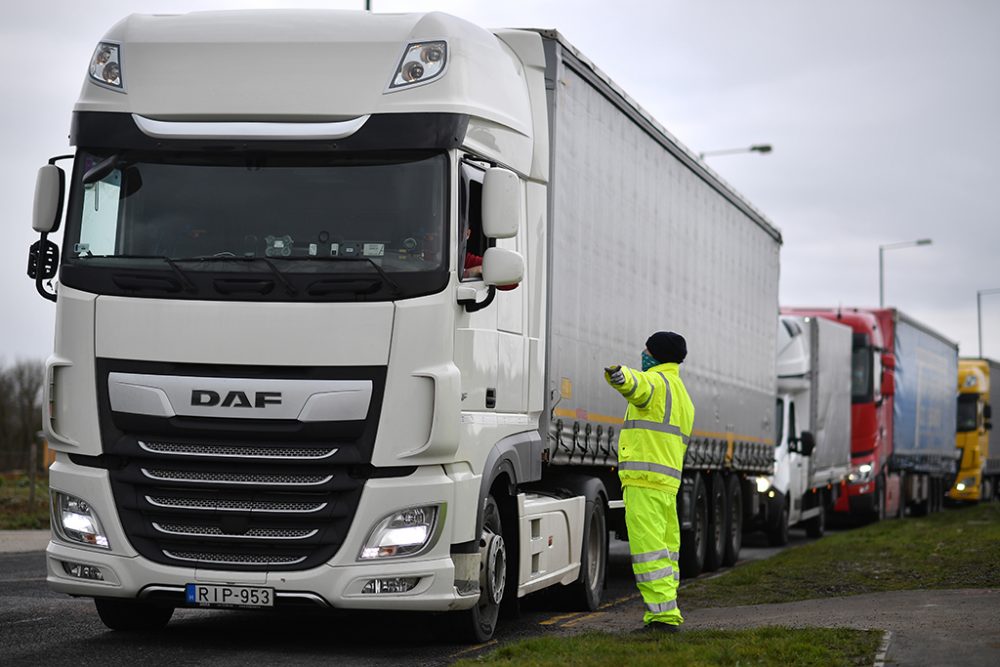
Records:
x=480, y=622
x=777, y=532
x=901, y=505
x=693, y=542
x=718, y=515
x=734, y=536
x=132, y=615
x=816, y=526
x=879, y=513
x=585, y=593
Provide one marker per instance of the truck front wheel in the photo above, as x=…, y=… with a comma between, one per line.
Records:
x=132, y=615
x=480, y=622
x=777, y=532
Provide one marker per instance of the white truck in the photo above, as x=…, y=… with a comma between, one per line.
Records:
x=813, y=455
x=281, y=376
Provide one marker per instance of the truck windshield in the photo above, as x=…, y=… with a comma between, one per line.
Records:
x=861, y=370
x=968, y=412
x=390, y=215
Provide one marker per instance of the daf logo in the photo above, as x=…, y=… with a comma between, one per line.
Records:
x=206, y=398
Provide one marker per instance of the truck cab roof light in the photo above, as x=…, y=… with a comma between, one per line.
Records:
x=422, y=62
x=106, y=66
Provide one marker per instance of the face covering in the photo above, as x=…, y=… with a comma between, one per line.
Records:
x=648, y=361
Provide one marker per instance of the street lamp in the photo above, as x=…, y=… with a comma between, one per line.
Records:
x=881, y=251
x=756, y=148
x=979, y=314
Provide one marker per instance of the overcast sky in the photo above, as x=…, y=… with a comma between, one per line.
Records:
x=884, y=117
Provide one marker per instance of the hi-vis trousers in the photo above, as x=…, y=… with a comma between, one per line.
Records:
x=654, y=538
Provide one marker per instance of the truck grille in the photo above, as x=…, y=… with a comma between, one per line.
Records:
x=238, y=451
x=237, y=494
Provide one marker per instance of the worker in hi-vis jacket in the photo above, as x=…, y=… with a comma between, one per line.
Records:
x=651, y=445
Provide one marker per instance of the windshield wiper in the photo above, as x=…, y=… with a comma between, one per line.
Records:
x=185, y=280
x=396, y=289
x=289, y=287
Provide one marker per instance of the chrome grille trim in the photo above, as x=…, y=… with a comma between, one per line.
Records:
x=238, y=452
x=232, y=559
x=222, y=505
x=236, y=479
x=250, y=534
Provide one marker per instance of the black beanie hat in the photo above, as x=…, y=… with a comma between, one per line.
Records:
x=667, y=347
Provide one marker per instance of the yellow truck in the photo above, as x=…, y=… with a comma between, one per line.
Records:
x=979, y=472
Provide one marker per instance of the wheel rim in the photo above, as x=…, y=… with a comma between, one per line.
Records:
x=496, y=569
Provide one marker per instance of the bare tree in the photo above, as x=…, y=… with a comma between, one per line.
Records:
x=21, y=396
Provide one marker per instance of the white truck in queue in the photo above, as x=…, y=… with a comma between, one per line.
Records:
x=276, y=380
x=813, y=454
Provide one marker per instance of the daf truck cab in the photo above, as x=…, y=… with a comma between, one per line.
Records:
x=978, y=470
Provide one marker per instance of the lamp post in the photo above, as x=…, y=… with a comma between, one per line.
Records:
x=756, y=148
x=979, y=314
x=881, y=263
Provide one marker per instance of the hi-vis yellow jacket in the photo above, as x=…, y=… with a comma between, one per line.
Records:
x=657, y=428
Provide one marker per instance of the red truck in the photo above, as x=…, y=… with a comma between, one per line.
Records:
x=902, y=413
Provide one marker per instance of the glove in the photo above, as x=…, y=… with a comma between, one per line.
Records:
x=616, y=375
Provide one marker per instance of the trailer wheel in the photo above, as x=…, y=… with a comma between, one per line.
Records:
x=132, y=615
x=693, y=542
x=901, y=497
x=816, y=526
x=585, y=593
x=715, y=547
x=734, y=532
x=480, y=622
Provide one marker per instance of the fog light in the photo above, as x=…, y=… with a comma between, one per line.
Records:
x=770, y=494
x=389, y=586
x=81, y=571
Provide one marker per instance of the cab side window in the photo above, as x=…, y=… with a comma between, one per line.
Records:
x=471, y=242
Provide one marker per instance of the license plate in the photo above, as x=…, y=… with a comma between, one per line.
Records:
x=212, y=595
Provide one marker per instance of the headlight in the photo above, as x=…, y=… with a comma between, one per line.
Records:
x=404, y=533
x=74, y=520
x=106, y=66
x=763, y=484
x=967, y=483
x=861, y=474
x=421, y=63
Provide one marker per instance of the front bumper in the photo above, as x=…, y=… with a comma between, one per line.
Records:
x=338, y=583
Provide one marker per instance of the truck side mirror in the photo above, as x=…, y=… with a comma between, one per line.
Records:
x=502, y=267
x=888, y=382
x=807, y=443
x=987, y=412
x=501, y=203
x=49, y=187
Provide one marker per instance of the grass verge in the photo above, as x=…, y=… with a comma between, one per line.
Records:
x=16, y=513
x=952, y=549
x=761, y=646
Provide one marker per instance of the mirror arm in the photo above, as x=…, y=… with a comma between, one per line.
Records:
x=471, y=305
x=38, y=275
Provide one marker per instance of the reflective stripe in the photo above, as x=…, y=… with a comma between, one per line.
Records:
x=656, y=426
x=652, y=391
x=670, y=397
x=662, y=573
x=635, y=384
x=677, y=576
x=650, y=467
x=662, y=607
x=650, y=556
